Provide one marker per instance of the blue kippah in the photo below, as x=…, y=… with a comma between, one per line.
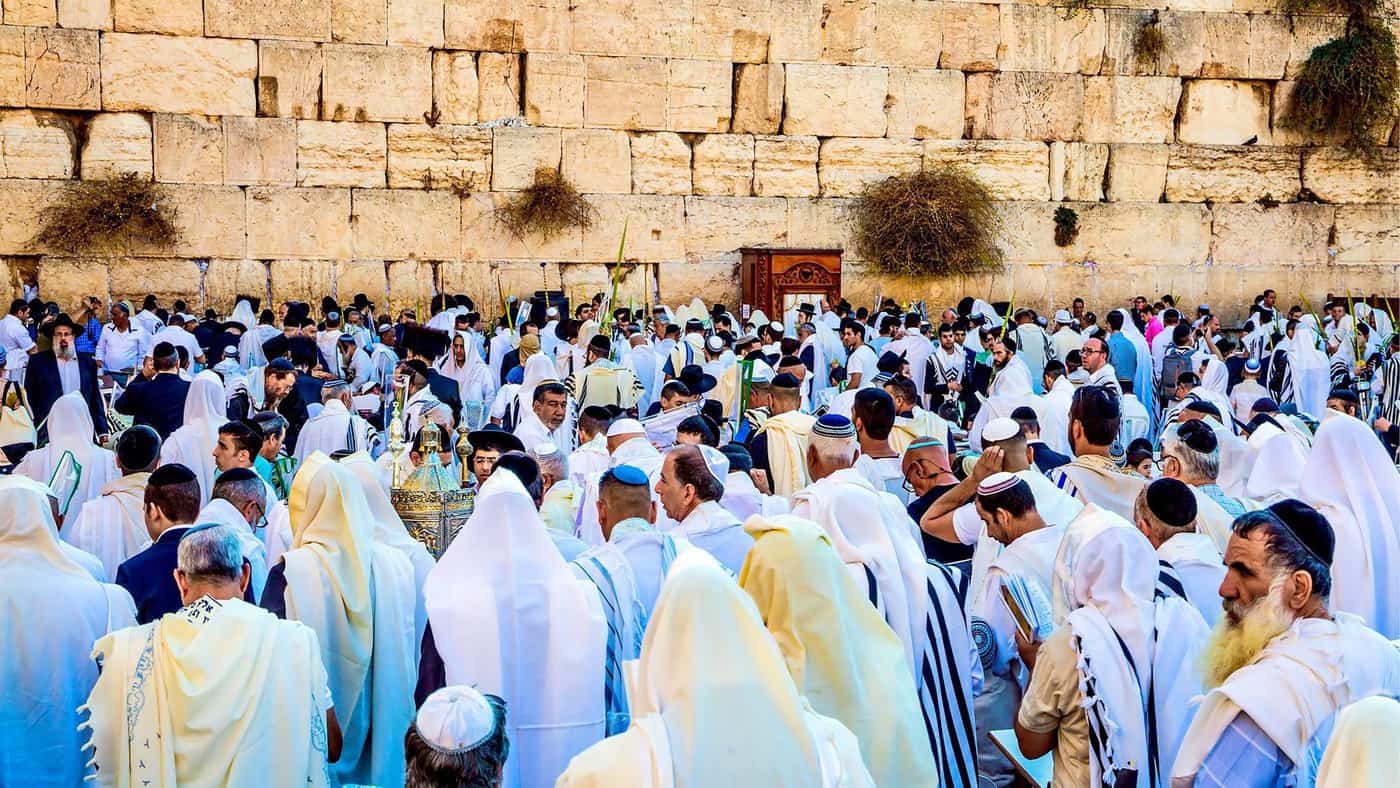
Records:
x=834, y=425
x=631, y=474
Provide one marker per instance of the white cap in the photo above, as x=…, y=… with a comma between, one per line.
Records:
x=776, y=326
x=762, y=373
x=715, y=461
x=544, y=449
x=626, y=427
x=715, y=344
x=456, y=719
x=1000, y=429
x=368, y=386
x=1063, y=317
x=998, y=482
x=552, y=312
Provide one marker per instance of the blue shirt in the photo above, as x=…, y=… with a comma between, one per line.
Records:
x=92, y=331
x=1123, y=356
x=1244, y=757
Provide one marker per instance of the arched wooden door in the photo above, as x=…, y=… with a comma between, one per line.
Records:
x=773, y=280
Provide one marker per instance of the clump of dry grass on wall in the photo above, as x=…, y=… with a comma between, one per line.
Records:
x=935, y=222
x=548, y=207
x=1348, y=86
x=109, y=216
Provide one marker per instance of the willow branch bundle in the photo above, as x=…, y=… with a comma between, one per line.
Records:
x=935, y=222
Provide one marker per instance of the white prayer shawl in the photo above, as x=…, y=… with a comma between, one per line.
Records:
x=818, y=374
x=1234, y=464
x=474, y=379
x=51, y=611
x=538, y=370
x=250, y=352
x=328, y=431
x=112, y=527
x=1143, y=382
x=787, y=450
x=277, y=536
x=743, y=499
x=326, y=346
x=222, y=512
x=1363, y=748
x=1351, y=481
x=1311, y=370
x=1197, y=562
x=1031, y=557
x=1010, y=389
x=501, y=344
x=715, y=530
x=70, y=430
x=1054, y=415
x=1064, y=341
x=1095, y=479
x=501, y=591
x=922, y=423
x=1278, y=469
x=532, y=433
x=192, y=445
x=589, y=458
x=643, y=363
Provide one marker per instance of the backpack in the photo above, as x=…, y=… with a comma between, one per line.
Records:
x=1176, y=361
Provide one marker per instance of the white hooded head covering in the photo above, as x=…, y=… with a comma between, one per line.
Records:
x=193, y=443
x=70, y=430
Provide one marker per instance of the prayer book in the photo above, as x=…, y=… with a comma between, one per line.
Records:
x=661, y=428
x=1029, y=606
x=1037, y=772
x=64, y=481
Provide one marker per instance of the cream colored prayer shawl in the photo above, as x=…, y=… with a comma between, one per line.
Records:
x=787, y=451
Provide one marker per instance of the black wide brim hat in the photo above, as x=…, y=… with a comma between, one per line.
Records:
x=62, y=320
x=494, y=437
x=696, y=379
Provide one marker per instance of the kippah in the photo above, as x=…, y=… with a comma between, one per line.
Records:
x=1000, y=430
x=1197, y=436
x=163, y=350
x=715, y=461
x=1345, y=395
x=762, y=373
x=625, y=427
x=739, y=458
x=597, y=412
x=237, y=475
x=889, y=362
x=1171, y=501
x=786, y=380
x=138, y=447
x=418, y=367
x=522, y=465
x=1311, y=528
x=455, y=719
x=174, y=473
x=345, y=338
x=923, y=443
x=789, y=361
x=601, y=344
x=279, y=365
x=230, y=351
x=715, y=344
x=630, y=475
x=999, y=482
x=1264, y=405
x=1251, y=365
x=776, y=326
x=1201, y=406
x=693, y=324
x=833, y=425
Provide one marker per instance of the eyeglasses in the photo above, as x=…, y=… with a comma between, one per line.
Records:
x=1161, y=464
x=937, y=471
x=1090, y=351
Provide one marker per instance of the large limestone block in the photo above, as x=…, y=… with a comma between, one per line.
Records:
x=117, y=142
x=1137, y=173
x=1285, y=133
x=655, y=228
x=485, y=238
x=212, y=222
x=1077, y=171
x=678, y=280
x=517, y=152
x=1120, y=55
x=66, y=280
x=393, y=224
x=308, y=20
x=340, y=154
x=321, y=218
x=908, y=32
x=733, y=31
x=925, y=103
x=456, y=91
x=821, y=224
x=1115, y=236
x=846, y=165
x=716, y=226
x=300, y=280
x=35, y=145
x=1337, y=175
x=626, y=93
x=699, y=95
x=85, y=14
x=785, y=167
x=554, y=90
x=1130, y=109
x=363, y=276
x=1289, y=234
x=1368, y=234
x=453, y=158
x=22, y=206
x=1207, y=173
x=723, y=165
x=61, y=69
x=1226, y=46
x=1011, y=170
x=360, y=21
x=415, y=23
x=797, y=34
x=660, y=164
x=185, y=76
x=165, y=278
x=171, y=17
x=971, y=36
x=598, y=160
x=1308, y=33
x=189, y=149
x=612, y=27
x=831, y=101
x=758, y=98
x=376, y=83
x=410, y=284
x=1224, y=112
x=38, y=13
x=225, y=280
x=1046, y=38
x=848, y=31
x=1270, y=37
x=12, y=86
x=499, y=78
x=488, y=25
x=1183, y=44
x=1019, y=105
x=289, y=79
x=260, y=151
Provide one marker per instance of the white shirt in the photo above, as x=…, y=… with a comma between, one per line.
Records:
x=69, y=374
x=14, y=337
x=1105, y=376
x=862, y=362
x=122, y=350
x=176, y=336
x=148, y=322
x=1160, y=343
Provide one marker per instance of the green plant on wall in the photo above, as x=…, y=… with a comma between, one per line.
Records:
x=109, y=216
x=1348, y=87
x=547, y=207
x=1066, y=226
x=935, y=222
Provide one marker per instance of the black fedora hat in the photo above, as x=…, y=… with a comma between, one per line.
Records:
x=493, y=436
x=696, y=380
x=63, y=320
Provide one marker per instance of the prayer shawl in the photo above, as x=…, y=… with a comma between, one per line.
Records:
x=1212, y=520
x=1098, y=480
x=637, y=452
x=1196, y=562
x=643, y=363
x=250, y=352
x=713, y=703
x=1054, y=415
x=222, y=512
x=1351, y=481
x=589, y=458
x=922, y=423
x=713, y=529
x=214, y=694
x=1143, y=386
x=475, y=382
x=1390, y=392
x=358, y=596
x=1309, y=368
x=818, y=373
x=743, y=500
x=1064, y=340
x=1363, y=748
x=113, y=526
x=335, y=429
x=1034, y=349
x=192, y=445
x=499, y=346
x=1010, y=389
x=787, y=450
x=559, y=507
x=842, y=656
x=1278, y=468
x=604, y=383
x=70, y=431
x=538, y=369
x=511, y=618
x=1293, y=685
x=51, y=611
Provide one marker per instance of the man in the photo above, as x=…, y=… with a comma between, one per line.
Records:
x=15, y=341
x=336, y=427
x=282, y=398
x=873, y=414
x=458, y=738
x=488, y=444
x=1064, y=338
x=113, y=526
x=860, y=359
x=175, y=334
x=544, y=422
x=1036, y=348
x=1101, y=373
x=1177, y=360
x=591, y=456
x=1093, y=476
x=1045, y=458
x=154, y=726
x=239, y=447
x=171, y=505
x=463, y=364
x=420, y=398
x=122, y=346
x=1165, y=513
x=691, y=484
x=780, y=446
x=1191, y=454
x=157, y=397
x=63, y=370
x=1122, y=353
x=559, y=498
x=1247, y=391
x=425, y=345
x=1281, y=663
x=354, y=363
x=910, y=420
x=603, y=382
x=927, y=477
x=1162, y=340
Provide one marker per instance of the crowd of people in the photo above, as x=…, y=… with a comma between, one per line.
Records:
x=838, y=546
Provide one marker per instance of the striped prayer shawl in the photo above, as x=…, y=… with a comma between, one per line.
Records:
x=1168, y=582
x=614, y=690
x=1390, y=396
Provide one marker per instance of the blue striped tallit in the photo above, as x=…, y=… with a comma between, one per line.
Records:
x=1168, y=582
x=614, y=690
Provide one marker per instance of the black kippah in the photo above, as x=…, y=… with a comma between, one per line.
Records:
x=1171, y=501
x=236, y=475
x=1198, y=437
x=1309, y=526
x=175, y=473
x=138, y=447
x=1201, y=406
x=739, y=458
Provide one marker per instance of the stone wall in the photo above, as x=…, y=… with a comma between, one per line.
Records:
x=341, y=146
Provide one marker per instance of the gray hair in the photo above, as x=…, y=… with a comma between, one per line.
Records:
x=551, y=461
x=239, y=492
x=335, y=390
x=210, y=553
x=833, y=452
x=1205, y=465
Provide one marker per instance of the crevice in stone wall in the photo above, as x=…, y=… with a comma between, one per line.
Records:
x=202, y=263
x=267, y=283
x=520, y=97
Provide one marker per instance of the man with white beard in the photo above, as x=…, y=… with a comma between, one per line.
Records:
x=1281, y=663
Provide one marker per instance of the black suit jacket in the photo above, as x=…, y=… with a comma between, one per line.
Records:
x=509, y=361
x=159, y=403
x=1046, y=458
x=445, y=390
x=43, y=387
x=149, y=576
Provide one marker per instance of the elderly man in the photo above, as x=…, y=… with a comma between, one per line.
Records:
x=63, y=370
x=691, y=484
x=1191, y=453
x=544, y=422
x=240, y=501
x=336, y=427
x=218, y=692
x=1093, y=477
x=1165, y=512
x=122, y=345
x=1279, y=634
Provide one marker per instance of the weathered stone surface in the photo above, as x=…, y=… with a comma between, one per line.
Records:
x=847, y=164
x=499, y=78
x=894, y=19
x=454, y=158
x=85, y=14
x=1308, y=33
x=289, y=79
x=1224, y=112
x=211, y=221
x=299, y=19
x=117, y=142
x=226, y=279
x=598, y=160
x=721, y=225
x=678, y=280
x=321, y=218
x=360, y=21
x=655, y=228
x=660, y=164
x=60, y=68
x=189, y=149
x=1270, y=37
x=1183, y=44
x=66, y=280
x=1023, y=105
x=848, y=32
x=1077, y=171
x=1130, y=109
x=1226, y=46
x=723, y=165
x=610, y=27
x=175, y=18
x=830, y=101
x=733, y=31
x=1368, y=234
x=1137, y=173
x=393, y=224
x=166, y=279
x=1124, y=237
x=415, y=23
x=517, y=152
x=1120, y=55
x=22, y=204
x=35, y=145
x=1011, y=170
x=376, y=83
x=758, y=99
x=1335, y=175
x=456, y=92
x=626, y=93
x=1204, y=173
x=796, y=34
x=410, y=283
x=37, y=13
x=481, y=25
x=340, y=154
x=925, y=103
x=188, y=76
x=785, y=167
x=261, y=151
x=698, y=95
x=363, y=276
x=300, y=280
x=484, y=238
x=971, y=36
x=1046, y=38
x=1288, y=234
x=554, y=90
x=12, y=66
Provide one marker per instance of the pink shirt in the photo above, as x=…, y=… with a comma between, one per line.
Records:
x=1154, y=327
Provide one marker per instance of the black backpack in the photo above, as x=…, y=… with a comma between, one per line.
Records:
x=1176, y=361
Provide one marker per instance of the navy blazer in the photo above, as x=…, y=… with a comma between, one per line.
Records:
x=1046, y=458
x=159, y=403
x=43, y=387
x=149, y=576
